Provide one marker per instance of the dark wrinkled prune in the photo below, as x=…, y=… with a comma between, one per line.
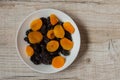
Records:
x=37, y=48
x=26, y=39
x=49, y=26
x=44, y=20
x=43, y=52
x=68, y=35
x=43, y=29
x=59, y=23
x=46, y=59
x=48, y=20
x=36, y=59
x=65, y=52
x=46, y=39
x=58, y=39
x=54, y=53
x=28, y=31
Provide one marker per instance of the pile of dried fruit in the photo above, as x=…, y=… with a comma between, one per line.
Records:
x=48, y=38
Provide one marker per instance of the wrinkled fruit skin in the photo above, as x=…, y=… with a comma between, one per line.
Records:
x=41, y=55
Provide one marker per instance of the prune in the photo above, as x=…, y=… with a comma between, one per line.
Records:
x=36, y=59
x=28, y=31
x=46, y=59
x=44, y=20
x=58, y=39
x=59, y=23
x=37, y=48
x=49, y=26
x=65, y=52
x=46, y=40
x=48, y=20
x=43, y=29
x=54, y=54
x=26, y=39
x=68, y=35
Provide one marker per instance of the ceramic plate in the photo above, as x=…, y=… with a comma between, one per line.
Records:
x=21, y=44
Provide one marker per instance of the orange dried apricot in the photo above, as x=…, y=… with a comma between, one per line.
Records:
x=36, y=24
x=59, y=31
x=52, y=45
x=66, y=44
x=35, y=37
x=29, y=50
x=50, y=34
x=53, y=19
x=58, y=62
x=68, y=27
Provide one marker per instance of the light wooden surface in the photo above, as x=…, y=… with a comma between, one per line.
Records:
x=99, y=25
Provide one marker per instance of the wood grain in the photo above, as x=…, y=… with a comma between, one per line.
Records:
x=99, y=25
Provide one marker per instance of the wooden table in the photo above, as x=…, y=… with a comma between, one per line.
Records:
x=99, y=25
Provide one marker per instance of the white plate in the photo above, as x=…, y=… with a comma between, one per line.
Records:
x=20, y=43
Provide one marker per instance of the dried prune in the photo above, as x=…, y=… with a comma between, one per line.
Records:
x=46, y=59
x=44, y=20
x=46, y=40
x=58, y=39
x=68, y=35
x=36, y=59
x=43, y=29
x=49, y=26
x=48, y=20
x=60, y=23
x=54, y=54
x=37, y=48
x=65, y=52
x=28, y=31
x=26, y=39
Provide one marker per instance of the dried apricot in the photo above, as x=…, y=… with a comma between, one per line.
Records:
x=50, y=34
x=58, y=62
x=35, y=37
x=68, y=27
x=36, y=24
x=52, y=46
x=53, y=19
x=29, y=50
x=66, y=44
x=59, y=31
